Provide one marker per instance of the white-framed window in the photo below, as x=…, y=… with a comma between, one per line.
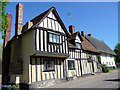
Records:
x=49, y=65
x=54, y=38
x=50, y=37
x=58, y=38
x=71, y=64
x=78, y=45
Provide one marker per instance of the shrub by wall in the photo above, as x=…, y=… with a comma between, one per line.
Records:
x=105, y=68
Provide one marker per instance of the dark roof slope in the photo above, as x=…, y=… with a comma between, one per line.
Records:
x=86, y=45
x=100, y=45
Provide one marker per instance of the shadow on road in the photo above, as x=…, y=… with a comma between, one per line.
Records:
x=115, y=80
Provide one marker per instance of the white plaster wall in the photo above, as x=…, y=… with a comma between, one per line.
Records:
x=77, y=39
x=107, y=59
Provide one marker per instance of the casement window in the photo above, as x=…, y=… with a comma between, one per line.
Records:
x=78, y=45
x=49, y=65
x=71, y=65
x=98, y=65
x=109, y=63
x=50, y=37
x=106, y=63
x=54, y=38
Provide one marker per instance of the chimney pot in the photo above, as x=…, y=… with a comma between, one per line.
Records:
x=90, y=35
x=19, y=19
x=82, y=33
x=72, y=29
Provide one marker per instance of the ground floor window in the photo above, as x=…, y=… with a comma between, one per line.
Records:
x=71, y=65
x=49, y=65
x=98, y=65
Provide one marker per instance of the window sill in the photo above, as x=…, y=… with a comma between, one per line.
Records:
x=54, y=43
x=48, y=70
x=71, y=69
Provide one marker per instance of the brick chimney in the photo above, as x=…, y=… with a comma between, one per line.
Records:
x=71, y=29
x=8, y=30
x=19, y=19
x=82, y=33
x=6, y=51
x=90, y=35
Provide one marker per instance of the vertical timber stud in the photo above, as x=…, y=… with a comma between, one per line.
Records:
x=39, y=39
x=62, y=43
x=65, y=44
x=43, y=40
x=47, y=40
x=80, y=63
x=36, y=66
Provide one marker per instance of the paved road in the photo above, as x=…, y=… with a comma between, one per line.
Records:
x=102, y=80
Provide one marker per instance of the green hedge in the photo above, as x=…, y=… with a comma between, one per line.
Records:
x=104, y=68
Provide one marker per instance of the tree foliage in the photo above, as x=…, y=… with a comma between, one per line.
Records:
x=117, y=51
x=3, y=23
x=3, y=17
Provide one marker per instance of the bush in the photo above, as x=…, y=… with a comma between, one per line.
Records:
x=104, y=68
x=17, y=85
x=13, y=86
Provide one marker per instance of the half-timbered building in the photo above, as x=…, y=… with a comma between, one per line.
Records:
x=38, y=49
x=106, y=53
x=83, y=56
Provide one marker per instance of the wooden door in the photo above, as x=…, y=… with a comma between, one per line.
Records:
x=91, y=67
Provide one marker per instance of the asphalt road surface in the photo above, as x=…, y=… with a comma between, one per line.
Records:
x=101, y=80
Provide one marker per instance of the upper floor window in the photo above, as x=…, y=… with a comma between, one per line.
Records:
x=78, y=45
x=54, y=38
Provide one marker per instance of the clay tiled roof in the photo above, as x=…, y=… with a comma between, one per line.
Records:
x=86, y=45
x=100, y=45
x=71, y=46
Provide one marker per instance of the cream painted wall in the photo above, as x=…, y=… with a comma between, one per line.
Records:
x=27, y=49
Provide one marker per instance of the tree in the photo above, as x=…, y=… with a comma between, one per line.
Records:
x=3, y=23
x=3, y=17
x=117, y=51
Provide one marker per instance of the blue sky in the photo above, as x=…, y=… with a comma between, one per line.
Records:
x=98, y=18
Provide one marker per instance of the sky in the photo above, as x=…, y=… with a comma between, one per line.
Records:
x=97, y=18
